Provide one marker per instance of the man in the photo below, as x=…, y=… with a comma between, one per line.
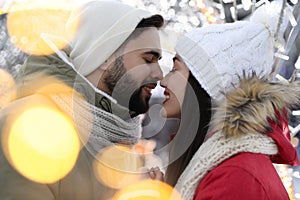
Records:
x=112, y=63
x=137, y=57
x=132, y=71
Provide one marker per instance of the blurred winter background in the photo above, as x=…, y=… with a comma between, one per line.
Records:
x=182, y=16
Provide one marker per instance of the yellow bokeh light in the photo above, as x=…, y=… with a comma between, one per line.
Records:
x=7, y=88
x=71, y=96
x=48, y=86
x=148, y=190
x=11, y=5
x=41, y=31
x=117, y=166
x=42, y=144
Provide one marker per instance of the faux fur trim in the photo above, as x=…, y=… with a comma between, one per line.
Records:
x=247, y=108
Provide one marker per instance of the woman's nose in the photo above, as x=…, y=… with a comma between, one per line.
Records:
x=163, y=81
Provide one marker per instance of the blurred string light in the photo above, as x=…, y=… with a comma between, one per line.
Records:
x=7, y=6
x=286, y=174
x=145, y=148
x=291, y=17
x=180, y=15
x=296, y=73
x=283, y=50
x=38, y=139
x=148, y=190
x=36, y=27
x=40, y=142
x=294, y=130
x=297, y=64
x=67, y=99
x=294, y=2
x=10, y=57
x=123, y=168
x=209, y=12
x=247, y=4
x=7, y=88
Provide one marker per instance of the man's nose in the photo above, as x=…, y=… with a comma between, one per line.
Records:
x=163, y=81
x=157, y=72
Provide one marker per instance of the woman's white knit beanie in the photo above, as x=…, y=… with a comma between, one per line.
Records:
x=103, y=27
x=217, y=55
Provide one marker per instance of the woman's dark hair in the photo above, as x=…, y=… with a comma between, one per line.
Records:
x=195, y=119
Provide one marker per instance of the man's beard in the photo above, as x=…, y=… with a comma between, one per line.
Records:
x=125, y=89
x=138, y=104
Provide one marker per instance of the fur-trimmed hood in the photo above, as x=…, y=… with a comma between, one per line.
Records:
x=249, y=106
x=254, y=106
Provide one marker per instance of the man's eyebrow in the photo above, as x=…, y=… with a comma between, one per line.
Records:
x=154, y=53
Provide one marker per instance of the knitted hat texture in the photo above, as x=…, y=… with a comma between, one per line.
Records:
x=218, y=55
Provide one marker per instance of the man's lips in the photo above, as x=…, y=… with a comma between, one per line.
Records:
x=148, y=88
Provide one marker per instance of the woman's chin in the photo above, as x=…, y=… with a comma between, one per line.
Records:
x=163, y=113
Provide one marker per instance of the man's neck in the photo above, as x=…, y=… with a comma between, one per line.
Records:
x=97, y=79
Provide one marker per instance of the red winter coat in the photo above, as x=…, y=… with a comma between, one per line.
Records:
x=245, y=176
x=252, y=176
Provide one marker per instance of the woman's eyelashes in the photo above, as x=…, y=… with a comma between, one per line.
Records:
x=172, y=70
x=148, y=61
x=174, y=60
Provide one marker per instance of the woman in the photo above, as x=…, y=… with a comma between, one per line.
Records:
x=248, y=130
x=195, y=107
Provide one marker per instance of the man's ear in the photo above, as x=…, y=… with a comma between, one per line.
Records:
x=108, y=62
x=104, y=65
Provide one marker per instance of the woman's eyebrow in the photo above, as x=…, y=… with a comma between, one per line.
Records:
x=175, y=58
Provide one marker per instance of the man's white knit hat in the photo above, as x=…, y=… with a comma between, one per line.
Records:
x=217, y=55
x=103, y=27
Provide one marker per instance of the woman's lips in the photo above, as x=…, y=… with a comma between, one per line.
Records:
x=167, y=95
